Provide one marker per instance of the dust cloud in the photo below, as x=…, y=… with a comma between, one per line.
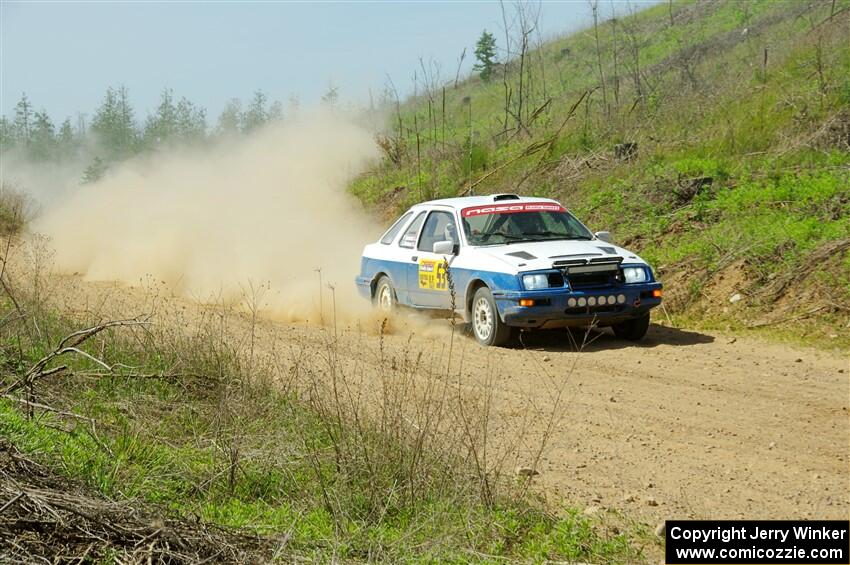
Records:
x=268, y=209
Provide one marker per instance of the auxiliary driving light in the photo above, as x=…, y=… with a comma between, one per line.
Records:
x=582, y=302
x=591, y=301
x=526, y=302
x=602, y=301
x=571, y=302
x=621, y=299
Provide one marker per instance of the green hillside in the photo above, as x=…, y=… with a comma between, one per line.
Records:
x=712, y=137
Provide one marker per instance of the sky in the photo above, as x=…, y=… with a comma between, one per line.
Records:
x=65, y=54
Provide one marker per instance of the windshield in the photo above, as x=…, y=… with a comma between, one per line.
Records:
x=521, y=223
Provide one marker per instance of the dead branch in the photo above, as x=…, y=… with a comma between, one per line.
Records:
x=45, y=517
x=46, y=408
x=805, y=314
x=822, y=254
x=531, y=149
x=69, y=344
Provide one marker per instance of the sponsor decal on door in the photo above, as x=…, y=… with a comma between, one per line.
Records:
x=432, y=274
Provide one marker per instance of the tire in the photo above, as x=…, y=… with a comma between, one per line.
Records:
x=632, y=330
x=487, y=327
x=384, y=299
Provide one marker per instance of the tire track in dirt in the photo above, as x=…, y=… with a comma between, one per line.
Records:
x=685, y=424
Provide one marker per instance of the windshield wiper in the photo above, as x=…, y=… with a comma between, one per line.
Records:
x=509, y=238
x=485, y=237
x=558, y=235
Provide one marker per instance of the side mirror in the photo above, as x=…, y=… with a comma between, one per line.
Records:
x=446, y=248
x=604, y=236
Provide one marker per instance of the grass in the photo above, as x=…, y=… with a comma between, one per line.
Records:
x=779, y=218
x=198, y=423
x=741, y=116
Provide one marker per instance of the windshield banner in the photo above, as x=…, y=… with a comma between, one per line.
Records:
x=512, y=208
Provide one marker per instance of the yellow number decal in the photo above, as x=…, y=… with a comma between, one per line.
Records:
x=440, y=280
x=432, y=274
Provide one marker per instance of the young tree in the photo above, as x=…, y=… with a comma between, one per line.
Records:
x=66, y=133
x=162, y=126
x=126, y=131
x=82, y=125
x=636, y=39
x=517, y=72
x=594, y=7
x=23, y=120
x=191, y=122
x=105, y=119
x=43, y=137
x=275, y=111
x=256, y=114
x=7, y=134
x=114, y=125
x=65, y=139
x=95, y=171
x=230, y=119
x=485, y=54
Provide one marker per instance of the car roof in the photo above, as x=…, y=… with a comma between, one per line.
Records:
x=467, y=201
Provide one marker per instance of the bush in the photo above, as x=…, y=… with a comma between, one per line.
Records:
x=16, y=209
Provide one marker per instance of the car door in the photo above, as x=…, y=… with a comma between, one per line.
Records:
x=427, y=281
x=406, y=256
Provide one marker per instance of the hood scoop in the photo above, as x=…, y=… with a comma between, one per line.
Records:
x=521, y=255
x=609, y=250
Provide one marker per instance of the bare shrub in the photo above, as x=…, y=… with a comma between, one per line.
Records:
x=16, y=209
x=237, y=413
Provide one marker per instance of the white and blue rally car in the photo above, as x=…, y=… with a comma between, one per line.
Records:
x=506, y=263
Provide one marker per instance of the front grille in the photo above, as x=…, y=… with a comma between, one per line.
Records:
x=595, y=273
x=584, y=281
x=592, y=277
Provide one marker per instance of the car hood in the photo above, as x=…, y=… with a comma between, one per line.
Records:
x=534, y=255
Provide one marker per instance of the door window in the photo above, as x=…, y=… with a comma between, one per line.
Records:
x=389, y=237
x=439, y=227
x=409, y=238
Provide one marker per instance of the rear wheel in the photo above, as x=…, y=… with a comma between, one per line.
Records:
x=632, y=330
x=384, y=299
x=487, y=327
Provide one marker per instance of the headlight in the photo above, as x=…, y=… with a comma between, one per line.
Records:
x=535, y=282
x=635, y=274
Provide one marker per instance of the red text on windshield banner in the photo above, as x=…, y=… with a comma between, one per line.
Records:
x=512, y=208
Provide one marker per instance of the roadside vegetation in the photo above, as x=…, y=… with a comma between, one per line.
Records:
x=711, y=137
x=170, y=438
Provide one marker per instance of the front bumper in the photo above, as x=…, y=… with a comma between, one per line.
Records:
x=552, y=309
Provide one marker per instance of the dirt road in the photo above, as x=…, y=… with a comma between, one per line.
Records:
x=683, y=425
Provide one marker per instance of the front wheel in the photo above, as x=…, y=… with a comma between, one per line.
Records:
x=384, y=299
x=632, y=330
x=487, y=327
